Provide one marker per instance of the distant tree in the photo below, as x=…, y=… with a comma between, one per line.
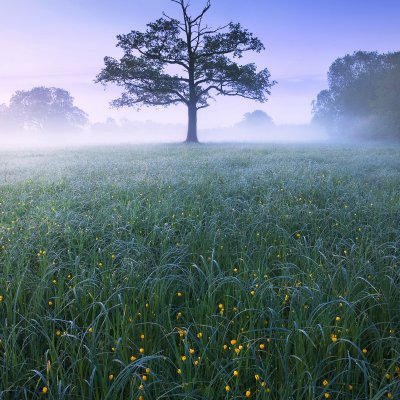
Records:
x=257, y=118
x=200, y=56
x=363, y=99
x=45, y=109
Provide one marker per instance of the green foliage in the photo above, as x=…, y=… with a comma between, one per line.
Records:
x=363, y=99
x=282, y=265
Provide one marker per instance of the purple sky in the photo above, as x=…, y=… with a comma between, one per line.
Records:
x=62, y=43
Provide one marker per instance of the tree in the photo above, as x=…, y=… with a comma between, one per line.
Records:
x=257, y=118
x=45, y=109
x=201, y=58
x=363, y=99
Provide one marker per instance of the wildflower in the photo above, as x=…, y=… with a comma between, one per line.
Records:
x=257, y=377
x=140, y=387
x=248, y=393
x=44, y=389
x=389, y=395
x=179, y=315
x=50, y=303
x=233, y=342
x=252, y=292
x=1, y=298
x=387, y=376
x=225, y=346
x=183, y=358
x=90, y=330
x=227, y=388
x=235, y=269
x=262, y=346
x=237, y=350
x=325, y=382
x=58, y=333
x=113, y=257
x=220, y=306
x=141, y=350
x=334, y=337
x=364, y=350
x=179, y=294
x=133, y=358
x=350, y=387
x=54, y=281
x=191, y=351
x=200, y=335
x=144, y=377
x=178, y=371
x=142, y=336
x=327, y=395
x=235, y=373
x=337, y=319
x=110, y=377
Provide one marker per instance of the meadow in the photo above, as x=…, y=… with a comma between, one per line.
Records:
x=200, y=272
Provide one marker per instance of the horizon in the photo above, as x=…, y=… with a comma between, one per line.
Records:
x=63, y=45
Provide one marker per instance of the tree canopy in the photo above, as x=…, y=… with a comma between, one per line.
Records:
x=43, y=109
x=363, y=99
x=185, y=61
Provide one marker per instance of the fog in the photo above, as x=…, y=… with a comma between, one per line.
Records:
x=112, y=132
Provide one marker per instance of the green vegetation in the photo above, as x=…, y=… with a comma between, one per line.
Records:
x=214, y=272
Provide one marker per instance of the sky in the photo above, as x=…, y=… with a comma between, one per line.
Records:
x=62, y=43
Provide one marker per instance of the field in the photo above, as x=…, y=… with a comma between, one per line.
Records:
x=200, y=272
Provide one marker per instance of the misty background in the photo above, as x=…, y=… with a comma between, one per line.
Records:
x=62, y=46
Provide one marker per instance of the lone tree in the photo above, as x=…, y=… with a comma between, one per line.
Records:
x=185, y=61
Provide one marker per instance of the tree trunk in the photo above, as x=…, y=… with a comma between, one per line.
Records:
x=192, y=124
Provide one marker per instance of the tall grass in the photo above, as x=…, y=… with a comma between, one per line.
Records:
x=212, y=272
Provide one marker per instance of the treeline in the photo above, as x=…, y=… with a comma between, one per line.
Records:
x=42, y=109
x=363, y=99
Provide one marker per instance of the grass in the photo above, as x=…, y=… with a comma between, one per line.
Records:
x=205, y=272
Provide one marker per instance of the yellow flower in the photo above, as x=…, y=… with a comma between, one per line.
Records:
x=220, y=306
x=252, y=292
x=50, y=303
x=262, y=346
x=58, y=333
x=248, y=393
x=110, y=377
x=233, y=342
x=334, y=337
x=387, y=376
x=179, y=371
x=237, y=350
x=1, y=298
x=200, y=335
x=44, y=390
x=179, y=294
x=325, y=382
x=142, y=336
x=144, y=377
x=183, y=358
x=350, y=387
x=191, y=351
x=133, y=358
x=327, y=395
x=235, y=373
x=90, y=330
x=257, y=377
x=389, y=395
x=364, y=350
x=225, y=346
x=227, y=388
x=337, y=319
